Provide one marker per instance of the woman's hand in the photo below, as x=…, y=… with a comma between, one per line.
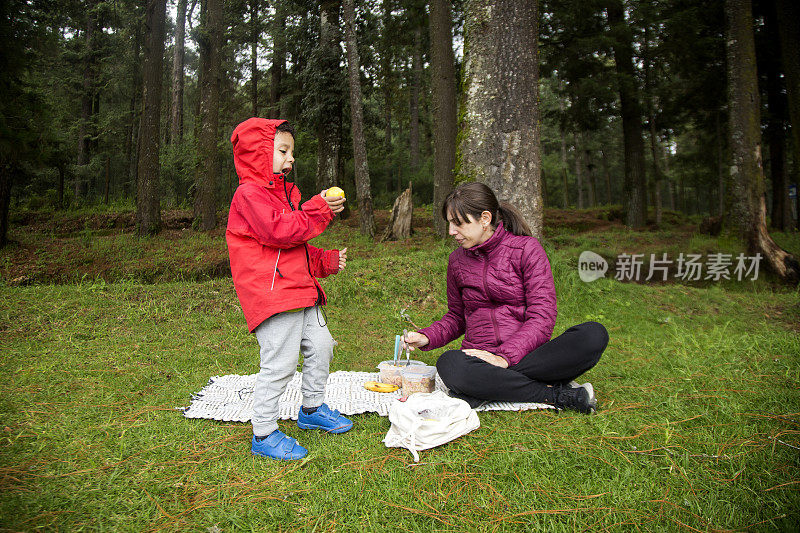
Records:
x=414, y=339
x=342, y=259
x=490, y=358
x=336, y=203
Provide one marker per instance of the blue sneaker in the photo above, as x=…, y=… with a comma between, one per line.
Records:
x=325, y=419
x=278, y=446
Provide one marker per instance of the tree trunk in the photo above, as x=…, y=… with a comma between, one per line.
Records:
x=776, y=128
x=443, y=100
x=634, y=199
x=590, y=166
x=278, y=66
x=255, y=30
x=400, y=223
x=565, y=192
x=330, y=123
x=85, y=128
x=365, y=216
x=132, y=140
x=386, y=90
x=670, y=182
x=500, y=145
x=607, y=174
x=148, y=196
x=788, y=12
x=6, y=175
x=576, y=139
x=721, y=194
x=747, y=179
x=207, y=170
x=108, y=180
x=176, y=119
x=651, y=123
x=416, y=82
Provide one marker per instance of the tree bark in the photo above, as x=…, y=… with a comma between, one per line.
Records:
x=85, y=126
x=721, y=194
x=255, y=31
x=6, y=175
x=365, y=215
x=176, y=118
x=132, y=139
x=148, y=197
x=330, y=123
x=590, y=166
x=651, y=123
x=634, y=200
x=576, y=139
x=278, y=66
x=207, y=170
x=747, y=179
x=789, y=33
x=386, y=90
x=416, y=82
x=500, y=142
x=443, y=100
x=607, y=174
x=402, y=213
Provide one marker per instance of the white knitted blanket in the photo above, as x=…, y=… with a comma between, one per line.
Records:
x=230, y=398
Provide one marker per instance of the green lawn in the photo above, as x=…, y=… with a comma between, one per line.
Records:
x=698, y=426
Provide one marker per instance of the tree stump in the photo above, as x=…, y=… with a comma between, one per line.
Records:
x=400, y=224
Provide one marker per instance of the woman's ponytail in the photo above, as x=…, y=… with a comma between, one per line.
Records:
x=513, y=221
x=473, y=198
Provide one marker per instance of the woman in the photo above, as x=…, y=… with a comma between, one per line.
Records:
x=501, y=297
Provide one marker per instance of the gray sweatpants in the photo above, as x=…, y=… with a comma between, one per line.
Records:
x=281, y=337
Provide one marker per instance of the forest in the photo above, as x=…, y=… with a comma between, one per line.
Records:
x=569, y=104
x=621, y=130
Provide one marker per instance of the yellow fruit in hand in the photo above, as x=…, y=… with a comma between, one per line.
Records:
x=335, y=191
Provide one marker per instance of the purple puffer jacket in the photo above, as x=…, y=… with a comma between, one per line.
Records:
x=501, y=294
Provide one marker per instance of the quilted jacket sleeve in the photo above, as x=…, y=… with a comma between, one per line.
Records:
x=323, y=262
x=540, y=311
x=453, y=324
x=276, y=227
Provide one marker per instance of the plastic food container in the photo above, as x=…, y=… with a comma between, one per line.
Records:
x=391, y=373
x=418, y=379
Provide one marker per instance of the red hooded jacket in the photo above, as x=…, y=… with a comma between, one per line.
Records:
x=273, y=268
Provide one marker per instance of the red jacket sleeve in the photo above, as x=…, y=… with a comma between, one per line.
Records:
x=452, y=325
x=323, y=262
x=281, y=228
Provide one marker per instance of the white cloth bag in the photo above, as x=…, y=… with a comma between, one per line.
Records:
x=428, y=419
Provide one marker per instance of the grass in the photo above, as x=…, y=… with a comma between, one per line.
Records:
x=698, y=428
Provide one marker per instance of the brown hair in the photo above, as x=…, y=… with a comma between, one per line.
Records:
x=285, y=127
x=472, y=199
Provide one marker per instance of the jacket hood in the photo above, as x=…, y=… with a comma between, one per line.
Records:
x=253, y=141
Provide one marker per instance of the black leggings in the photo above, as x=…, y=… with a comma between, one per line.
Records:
x=557, y=361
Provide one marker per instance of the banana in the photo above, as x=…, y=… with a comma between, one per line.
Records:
x=376, y=386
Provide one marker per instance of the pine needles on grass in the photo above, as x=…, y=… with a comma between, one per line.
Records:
x=698, y=427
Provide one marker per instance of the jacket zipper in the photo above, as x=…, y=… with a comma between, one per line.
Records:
x=491, y=309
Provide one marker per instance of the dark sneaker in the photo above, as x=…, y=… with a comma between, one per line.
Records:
x=589, y=389
x=278, y=446
x=577, y=399
x=325, y=419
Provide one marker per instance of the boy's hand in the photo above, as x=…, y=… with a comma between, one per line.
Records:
x=336, y=203
x=342, y=259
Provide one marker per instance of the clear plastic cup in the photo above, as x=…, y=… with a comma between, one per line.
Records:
x=418, y=379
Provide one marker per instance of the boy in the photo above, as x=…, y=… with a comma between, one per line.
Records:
x=274, y=272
